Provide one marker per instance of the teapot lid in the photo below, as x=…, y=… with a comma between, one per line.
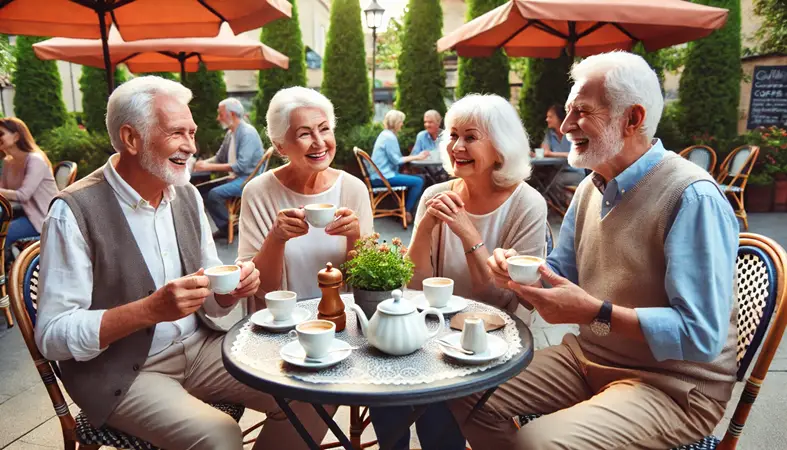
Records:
x=396, y=306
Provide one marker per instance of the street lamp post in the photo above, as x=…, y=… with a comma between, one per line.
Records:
x=374, y=20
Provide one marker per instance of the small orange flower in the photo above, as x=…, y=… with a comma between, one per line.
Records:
x=396, y=241
x=352, y=254
x=402, y=251
x=384, y=248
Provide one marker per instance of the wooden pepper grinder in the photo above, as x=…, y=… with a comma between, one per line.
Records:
x=331, y=306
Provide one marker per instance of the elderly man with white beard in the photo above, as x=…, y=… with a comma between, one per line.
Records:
x=645, y=264
x=124, y=305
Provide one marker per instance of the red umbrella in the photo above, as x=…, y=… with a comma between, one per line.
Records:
x=544, y=28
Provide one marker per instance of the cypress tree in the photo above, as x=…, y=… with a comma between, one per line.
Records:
x=546, y=83
x=93, y=84
x=483, y=75
x=420, y=77
x=284, y=36
x=38, y=99
x=345, y=79
x=709, y=89
x=209, y=89
x=165, y=75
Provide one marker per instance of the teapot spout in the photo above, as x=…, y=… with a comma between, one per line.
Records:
x=361, y=318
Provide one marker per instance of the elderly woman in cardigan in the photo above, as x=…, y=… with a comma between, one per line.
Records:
x=273, y=228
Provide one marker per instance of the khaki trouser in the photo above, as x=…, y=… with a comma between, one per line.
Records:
x=587, y=407
x=166, y=403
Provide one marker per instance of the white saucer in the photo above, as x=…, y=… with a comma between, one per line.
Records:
x=455, y=304
x=496, y=348
x=294, y=354
x=264, y=319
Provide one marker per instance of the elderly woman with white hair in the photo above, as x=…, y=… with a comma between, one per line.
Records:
x=387, y=155
x=273, y=228
x=459, y=221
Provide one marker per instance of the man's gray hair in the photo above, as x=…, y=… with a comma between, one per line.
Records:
x=132, y=104
x=233, y=105
x=628, y=81
x=434, y=115
x=288, y=100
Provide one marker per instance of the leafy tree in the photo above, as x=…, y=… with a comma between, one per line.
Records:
x=420, y=77
x=389, y=44
x=483, y=75
x=38, y=99
x=7, y=59
x=93, y=84
x=284, y=36
x=709, y=90
x=772, y=34
x=209, y=89
x=545, y=83
x=345, y=78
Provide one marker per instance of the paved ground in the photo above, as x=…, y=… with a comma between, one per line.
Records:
x=28, y=422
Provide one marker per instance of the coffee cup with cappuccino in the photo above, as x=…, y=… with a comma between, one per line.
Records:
x=320, y=215
x=315, y=336
x=438, y=291
x=223, y=279
x=523, y=269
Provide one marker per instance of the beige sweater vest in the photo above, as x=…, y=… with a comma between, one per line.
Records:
x=621, y=258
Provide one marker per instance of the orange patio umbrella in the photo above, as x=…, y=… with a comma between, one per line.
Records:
x=135, y=19
x=223, y=52
x=545, y=28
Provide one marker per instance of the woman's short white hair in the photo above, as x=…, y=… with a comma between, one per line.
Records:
x=393, y=119
x=628, y=81
x=233, y=106
x=132, y=104
x=288, y=100
x=499, y=122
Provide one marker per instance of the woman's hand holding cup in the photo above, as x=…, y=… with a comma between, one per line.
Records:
x=345, y=223
x=290, y=223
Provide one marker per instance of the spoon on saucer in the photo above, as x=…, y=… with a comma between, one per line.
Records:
x=333, y=350
x=455, y=347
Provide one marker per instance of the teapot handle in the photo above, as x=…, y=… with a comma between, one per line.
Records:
x=440, y=326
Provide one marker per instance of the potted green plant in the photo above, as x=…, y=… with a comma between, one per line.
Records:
x=375, y=269
x=759, y=192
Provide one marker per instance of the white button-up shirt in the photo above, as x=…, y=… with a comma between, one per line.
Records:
x=66, y=327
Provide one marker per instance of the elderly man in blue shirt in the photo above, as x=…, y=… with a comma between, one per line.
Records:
x=239, y=155
x=429, y=139
x=387, y=156
x=645, y=264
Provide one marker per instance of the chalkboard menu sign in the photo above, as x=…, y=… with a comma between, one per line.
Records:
x=768, y=106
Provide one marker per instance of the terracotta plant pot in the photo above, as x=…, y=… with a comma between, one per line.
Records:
x=780, y=196
x=759, y=198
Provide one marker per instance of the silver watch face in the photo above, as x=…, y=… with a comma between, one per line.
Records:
x=600, y=328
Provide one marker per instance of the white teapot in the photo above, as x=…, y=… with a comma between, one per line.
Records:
x=396, y=328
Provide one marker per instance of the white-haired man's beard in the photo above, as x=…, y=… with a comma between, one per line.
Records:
x=162, y=169
x=600, y=149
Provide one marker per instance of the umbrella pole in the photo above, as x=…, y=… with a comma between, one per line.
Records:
x=182, y=70
x=102, y=23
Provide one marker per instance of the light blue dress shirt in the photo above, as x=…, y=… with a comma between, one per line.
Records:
x=424, y=141
x=701, y=246
x=555, y=144
x=386, y=155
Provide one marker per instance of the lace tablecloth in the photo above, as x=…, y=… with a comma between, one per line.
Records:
x=259, y=349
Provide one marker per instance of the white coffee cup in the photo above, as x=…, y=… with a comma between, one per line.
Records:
x=223, y=279
x=319, y=215
x=524, y=268
x=281, y=304
x=315, y=336
x=438, y=291
x=539, y=152
x=474, y=336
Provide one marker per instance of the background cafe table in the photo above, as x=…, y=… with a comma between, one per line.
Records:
x=270, y=375
x=544, y=179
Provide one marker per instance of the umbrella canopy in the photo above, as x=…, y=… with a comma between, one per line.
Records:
x=135, y=19
x=223, y=52
x=544, y=28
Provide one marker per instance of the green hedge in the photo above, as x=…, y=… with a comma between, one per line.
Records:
x=284, y=36
x=709, y=89
x=69, y=143
x=209, y=89
x=546, y=83
x=361, y=136
x=345, y=77
x=420, y=77
x=483, y=75
x=38, y=98
x=93, y=84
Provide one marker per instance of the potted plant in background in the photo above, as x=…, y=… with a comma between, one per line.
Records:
x=773, y=152
x=759, y=192
x=374, y=270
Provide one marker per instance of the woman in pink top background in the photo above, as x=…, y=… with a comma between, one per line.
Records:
x=27, y=179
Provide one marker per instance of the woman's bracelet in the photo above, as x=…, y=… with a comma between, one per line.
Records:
x=474, y=248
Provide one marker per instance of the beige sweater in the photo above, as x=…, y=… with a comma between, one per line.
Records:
x=262, y=200
x=621, y=258
x=524, y=230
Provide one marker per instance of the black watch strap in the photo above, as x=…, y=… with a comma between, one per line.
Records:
x=605, y=313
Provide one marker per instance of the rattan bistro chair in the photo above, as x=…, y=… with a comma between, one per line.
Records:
x=76, y=431
x=734, y=175
x=701, y=155
x=378, y=194
x=233, y=204
x=6, y=215
x=65, y=173
x=762, y=291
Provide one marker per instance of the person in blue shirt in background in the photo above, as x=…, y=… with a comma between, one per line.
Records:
x=429, y=140
x=387, y=155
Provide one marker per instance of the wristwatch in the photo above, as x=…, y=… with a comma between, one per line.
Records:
x=602, y=324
